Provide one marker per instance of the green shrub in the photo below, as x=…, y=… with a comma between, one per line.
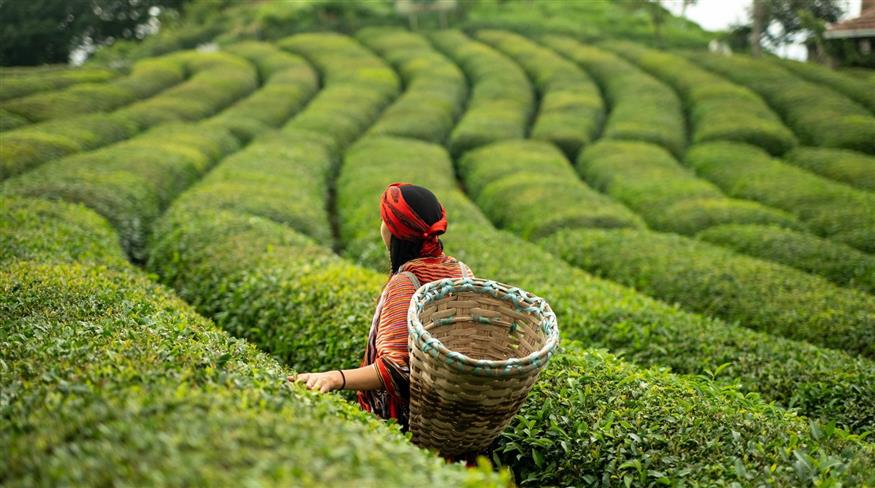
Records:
x=147, y=78
x=38, y=230
x=358, y=85
x=135, y=388
x=858, y=90
x=131, y=182
x=818, y=115
x=288, y=83
x=228, y=245
x=20, y=82
x=607, y=423
x=837, y=262
x=435, y=87
x=501, y=99
x=571, y=108
x=641, y=107
x=9, y=120
x=717, y=109
x=219, y=80
x=842, y=165
x=649, y=180
x=529, y=187
x=602, y=313
x=830, y=209
x=820, y=382
x=715, y=281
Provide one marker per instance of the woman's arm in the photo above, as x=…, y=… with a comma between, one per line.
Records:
x=364, y=378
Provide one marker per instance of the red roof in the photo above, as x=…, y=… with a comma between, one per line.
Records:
x=862, y=26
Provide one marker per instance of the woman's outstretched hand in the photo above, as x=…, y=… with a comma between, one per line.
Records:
x=324, y=382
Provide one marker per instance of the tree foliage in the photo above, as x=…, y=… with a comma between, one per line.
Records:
x=47, y=31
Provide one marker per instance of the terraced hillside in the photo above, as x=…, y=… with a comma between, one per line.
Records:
x=179, y=238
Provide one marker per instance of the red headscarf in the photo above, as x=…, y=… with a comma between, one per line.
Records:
x=405, y=224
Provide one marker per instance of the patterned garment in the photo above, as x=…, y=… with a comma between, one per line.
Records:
x=387, y=340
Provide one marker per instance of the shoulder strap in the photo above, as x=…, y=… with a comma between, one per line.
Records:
x=412, y=278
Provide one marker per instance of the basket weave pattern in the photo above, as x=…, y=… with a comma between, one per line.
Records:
x=476, y=348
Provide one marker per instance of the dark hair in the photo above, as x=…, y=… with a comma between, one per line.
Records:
x=422, y=201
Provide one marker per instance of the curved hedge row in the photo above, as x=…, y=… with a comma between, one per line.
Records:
x=704, y=278
x=536, y=203
x=435, y=87
x=858, y=90
x=136, y=388
x=641, y=107
x=819, y=116
x=228, y=245
x=289, y=82
x=20, y=82
x=220, y=79
x=131, y=182
x=649, y=180
x=147, y=78
x=837, y=262
x=718, y=110
x=715, y=281
x=830, y=209
x=571, y=108
x=358, y=85
x=592, y=418
x=842, y=165
x=42, y=231
x=501, y=100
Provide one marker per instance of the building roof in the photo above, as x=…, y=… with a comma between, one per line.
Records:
x=862, y=26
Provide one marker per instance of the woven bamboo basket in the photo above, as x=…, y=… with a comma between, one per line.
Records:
x=476, y=348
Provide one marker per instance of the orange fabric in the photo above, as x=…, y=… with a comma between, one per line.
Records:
x=387, y=344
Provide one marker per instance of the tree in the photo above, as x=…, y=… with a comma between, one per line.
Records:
x=46, y=31
x=777, y=22
x=685, y=4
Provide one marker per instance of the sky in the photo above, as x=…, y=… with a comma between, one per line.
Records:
x=720, y=14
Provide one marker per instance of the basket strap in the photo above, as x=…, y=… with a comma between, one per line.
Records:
x=412, y=278
x=464, y=270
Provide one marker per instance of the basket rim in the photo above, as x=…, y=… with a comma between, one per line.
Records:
x=522, y=300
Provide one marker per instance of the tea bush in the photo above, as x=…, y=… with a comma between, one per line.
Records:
x=234, y=246
x=135, y=388
x=501, y=100
x=829, y=209
x=818, y=115
x=717, y=109
x=529, y=187
x=357, y=86
x=819, y=381
x=649, y=180
x=147, y=78
x=130, y=183
x=571, y=109
x=435, y=88
x=715, y=281
x=841, y=165
x=21, y=82
x=288, y=83
x=641, y=107
x=543, y=445
x=837, y=262
x=33, y=229
x=220, y=79
x=858, y=90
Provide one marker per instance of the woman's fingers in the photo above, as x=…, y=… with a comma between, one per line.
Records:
x=313, y=381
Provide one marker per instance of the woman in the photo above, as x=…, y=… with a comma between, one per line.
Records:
x=412, y=220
